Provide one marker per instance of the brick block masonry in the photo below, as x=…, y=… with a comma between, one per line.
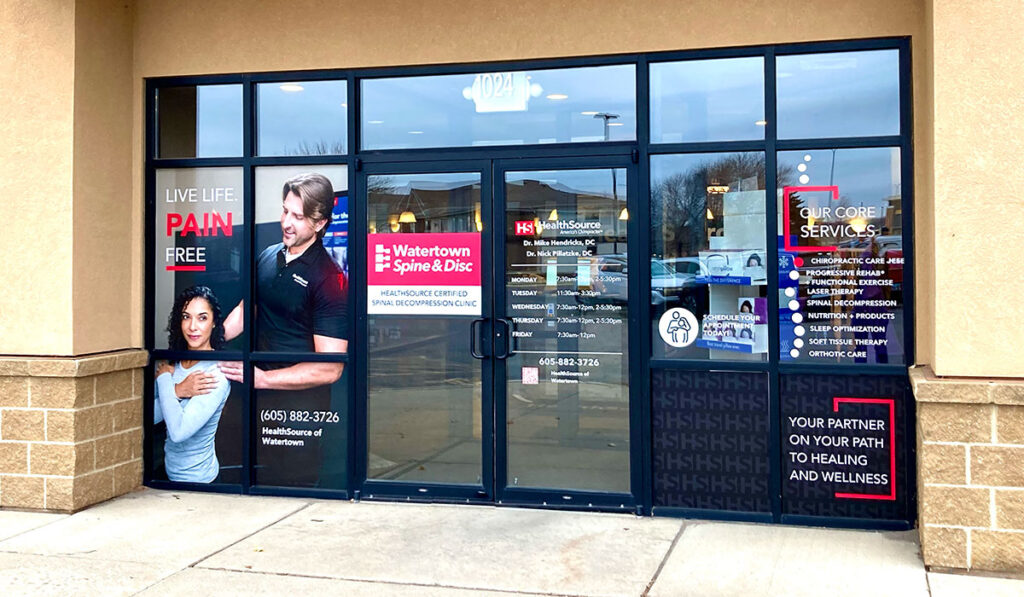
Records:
x=70, y=429
x=970, y=439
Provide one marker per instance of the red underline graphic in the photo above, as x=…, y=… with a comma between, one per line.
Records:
x=891, y=403
x=186, y=268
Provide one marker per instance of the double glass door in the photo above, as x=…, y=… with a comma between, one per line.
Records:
x=496, y=318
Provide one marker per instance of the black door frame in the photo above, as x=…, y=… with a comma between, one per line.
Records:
x=493, y=487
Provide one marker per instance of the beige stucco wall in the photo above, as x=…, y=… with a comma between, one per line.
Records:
x=36, y=147
x=191, y=37
x=978, y=149
x=105, y=227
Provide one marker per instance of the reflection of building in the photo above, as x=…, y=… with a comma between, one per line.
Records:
x=894, y=214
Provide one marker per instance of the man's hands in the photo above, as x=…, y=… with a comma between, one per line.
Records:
x=234, y=371
x=299, y=376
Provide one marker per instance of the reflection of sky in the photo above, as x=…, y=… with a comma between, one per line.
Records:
x=707, y=100
x=439, y=115
x=402, y=183
x=588, y=182
x=838, y=95
x=864, y=176
x=218, y=121
x=308, y=122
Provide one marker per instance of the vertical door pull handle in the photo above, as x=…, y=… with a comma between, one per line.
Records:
x=506, y=345
x=474, y=338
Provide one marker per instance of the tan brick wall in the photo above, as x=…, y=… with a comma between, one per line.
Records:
x=70, y=430
x=970, y=436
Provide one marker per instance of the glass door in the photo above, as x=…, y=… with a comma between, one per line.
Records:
x=497, y=333
x=564, y=417
x=428, y=402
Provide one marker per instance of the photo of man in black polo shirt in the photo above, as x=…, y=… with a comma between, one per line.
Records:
x=300, y=307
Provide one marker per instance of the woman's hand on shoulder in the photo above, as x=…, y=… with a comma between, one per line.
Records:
x=163, y=367
x=196, y=384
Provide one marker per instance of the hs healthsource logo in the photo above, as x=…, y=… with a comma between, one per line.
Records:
x=383, y=258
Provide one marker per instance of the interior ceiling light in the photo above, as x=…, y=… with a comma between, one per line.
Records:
x=415, y=132
x=614, y=124
x=374, y=122
x=291, y=87
x=557, y=96
x=589, y=113
x=553, y=216
x=407, y=217
x=761, y=123
x=624, y=214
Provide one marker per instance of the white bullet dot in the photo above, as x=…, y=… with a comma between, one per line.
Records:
x=794, y=353
x=804, y=179
x=799, y=330
x=802, y=167
x=791, y=292
x=794, y=275
x=794, y=305
x=798, y=343
x=797, y=317
x=807, y=157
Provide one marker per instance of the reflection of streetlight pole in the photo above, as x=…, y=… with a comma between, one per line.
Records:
x=832, y=170
x=605, y=116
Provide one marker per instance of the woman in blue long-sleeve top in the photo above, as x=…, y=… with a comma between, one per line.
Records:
x=190, y=394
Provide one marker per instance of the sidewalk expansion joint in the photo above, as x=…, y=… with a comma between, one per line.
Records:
x=393, y=583
x=664, y=560
x=244, y=537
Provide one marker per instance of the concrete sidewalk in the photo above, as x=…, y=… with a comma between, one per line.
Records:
x=178, y=543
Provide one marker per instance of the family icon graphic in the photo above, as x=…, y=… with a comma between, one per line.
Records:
x=678, y=327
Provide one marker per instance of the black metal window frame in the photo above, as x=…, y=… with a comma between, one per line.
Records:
x=639, y=151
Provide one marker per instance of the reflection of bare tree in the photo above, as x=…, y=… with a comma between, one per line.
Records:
x=681, y=200
x=380, y=185
x=319, y=148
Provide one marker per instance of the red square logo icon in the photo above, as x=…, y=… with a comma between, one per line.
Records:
x=524, y=227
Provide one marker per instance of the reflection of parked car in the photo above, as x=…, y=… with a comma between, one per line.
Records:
x=891, y=248
x=676, y=281
x=673, y=282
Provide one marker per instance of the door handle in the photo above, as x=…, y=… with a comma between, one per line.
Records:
x=507, y=344
x=474, y=338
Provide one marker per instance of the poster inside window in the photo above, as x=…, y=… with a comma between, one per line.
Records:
x=708, y=261
x=196, y=408
x=199, y=242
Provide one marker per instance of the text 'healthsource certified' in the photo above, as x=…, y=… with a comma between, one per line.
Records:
x=423, y=274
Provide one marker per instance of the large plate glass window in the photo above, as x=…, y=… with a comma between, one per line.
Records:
x=302, y=435
x=707, y=100
x=424, y=388
x=199, y=121
x=199, y=242
x=301, y=118
x=302, y=269
x=843, y=94
x=567, y=283
x=708, y=258
x=568, y=105
x=841, y=260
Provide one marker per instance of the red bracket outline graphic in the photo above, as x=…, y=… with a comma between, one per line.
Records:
x=786, y=192
x=836, y=401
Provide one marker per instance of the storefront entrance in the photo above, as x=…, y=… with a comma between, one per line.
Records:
x=497, y=323
x=676, y=283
